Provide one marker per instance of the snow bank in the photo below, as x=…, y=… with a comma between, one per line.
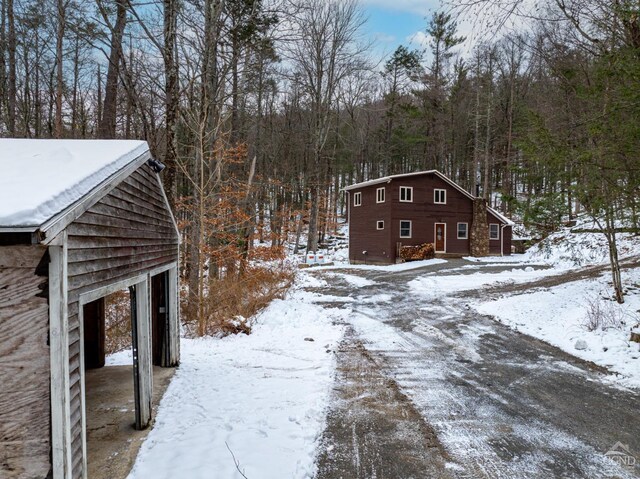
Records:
x=569, y=247
x=40, y=178
x=558, y=316
x=262, y=396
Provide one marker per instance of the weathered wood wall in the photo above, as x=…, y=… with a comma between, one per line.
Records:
x=25, y=445
x=127, y=233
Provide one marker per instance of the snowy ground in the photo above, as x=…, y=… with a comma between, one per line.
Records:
x=258, y=398
x=256, y=405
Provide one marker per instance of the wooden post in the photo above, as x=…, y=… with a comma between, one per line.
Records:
x=59, y=341
x=174, y=317
x=143, y=373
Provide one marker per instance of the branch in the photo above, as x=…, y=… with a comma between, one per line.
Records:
x=235, y=461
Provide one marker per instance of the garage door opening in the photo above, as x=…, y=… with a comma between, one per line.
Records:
x=114, y=369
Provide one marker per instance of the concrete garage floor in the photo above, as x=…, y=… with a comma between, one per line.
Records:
x=112, y=441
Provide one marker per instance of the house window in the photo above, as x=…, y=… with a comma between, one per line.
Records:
x=406, y=194
x=440, y=196
x=380, y=224
x=405, y=229
x=494, y=231
x=380, y=195
x=357, y=199
x=463, y=230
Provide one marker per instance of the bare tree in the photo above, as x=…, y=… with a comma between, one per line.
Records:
x=324, y=52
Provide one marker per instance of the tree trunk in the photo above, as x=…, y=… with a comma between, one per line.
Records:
x=107, y=128
x=171, y=97
x=11, y=100
x=59, y=133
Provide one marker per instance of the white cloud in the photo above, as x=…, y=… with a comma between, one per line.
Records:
x=418, y=39
x=384, y=37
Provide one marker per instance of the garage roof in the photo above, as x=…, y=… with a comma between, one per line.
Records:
x=40, y=180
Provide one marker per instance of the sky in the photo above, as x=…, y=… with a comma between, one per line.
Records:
x=397, y=22
x=403, y=22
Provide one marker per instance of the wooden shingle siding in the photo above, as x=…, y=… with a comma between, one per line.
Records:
x=25, y=445
x=128, y=232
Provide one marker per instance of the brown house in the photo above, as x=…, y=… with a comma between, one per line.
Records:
x=79, y=220
x=424, y=207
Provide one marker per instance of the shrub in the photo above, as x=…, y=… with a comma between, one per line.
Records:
x=603, y=314
x=233, y=300
x=117, y=322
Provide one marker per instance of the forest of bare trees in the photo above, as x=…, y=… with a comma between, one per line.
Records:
x=263, y=110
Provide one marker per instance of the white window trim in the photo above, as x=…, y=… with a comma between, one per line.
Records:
x=409, y=188
x=466, y=235
x=435, y=192
x=435, y=231
x=357, y=198
x=410, y=229
x=378, y=200
x=498, y=228
x=378, y=224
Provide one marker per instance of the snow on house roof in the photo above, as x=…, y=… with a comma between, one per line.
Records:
x=41, y=178
x=388, y=179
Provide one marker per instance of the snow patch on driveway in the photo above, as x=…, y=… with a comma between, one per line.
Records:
x=353, y=280
x=262, y=396
x=438, y=284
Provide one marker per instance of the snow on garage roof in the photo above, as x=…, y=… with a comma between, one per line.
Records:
x=41, y=178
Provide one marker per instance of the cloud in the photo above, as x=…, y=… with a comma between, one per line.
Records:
x=384, y=37
x=418, y=39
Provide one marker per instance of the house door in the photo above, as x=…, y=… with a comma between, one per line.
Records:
x=441, y=237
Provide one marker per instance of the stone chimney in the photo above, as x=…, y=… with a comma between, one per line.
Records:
x=479, y=237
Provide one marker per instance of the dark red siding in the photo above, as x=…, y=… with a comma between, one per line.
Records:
x=363, y=235
x=423, y=212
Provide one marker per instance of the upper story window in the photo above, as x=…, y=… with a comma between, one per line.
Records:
x=380, y=195
x=440, y=196
x=494, y=231
x=405, y=229
x=463, y=230
x=380, y=224
x=357, y=199
x=406, y=194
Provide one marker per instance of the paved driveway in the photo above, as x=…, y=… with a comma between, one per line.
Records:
x=434, y=389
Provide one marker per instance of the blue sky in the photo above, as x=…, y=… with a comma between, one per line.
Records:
x=400, y=22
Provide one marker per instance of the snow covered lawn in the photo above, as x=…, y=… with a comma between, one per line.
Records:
x=260, y=398
x=558, y=316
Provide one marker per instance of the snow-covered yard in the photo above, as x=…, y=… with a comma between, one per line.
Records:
x=260, y=399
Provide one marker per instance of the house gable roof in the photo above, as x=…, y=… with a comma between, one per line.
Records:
x=389, y=179
x=46, y=184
